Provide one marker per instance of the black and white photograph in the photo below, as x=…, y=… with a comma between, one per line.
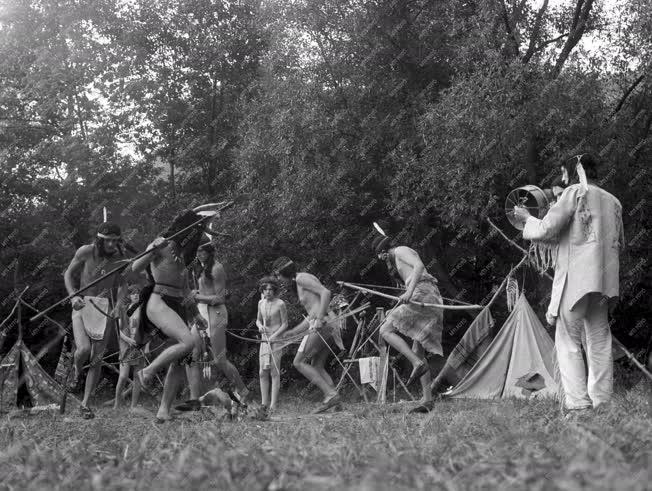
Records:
x=325, y=245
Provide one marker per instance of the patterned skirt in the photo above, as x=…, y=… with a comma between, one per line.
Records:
x=422, y=324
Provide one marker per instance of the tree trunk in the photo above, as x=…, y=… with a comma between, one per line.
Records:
x=578, y=26
x=172, y=183
x=211, y=164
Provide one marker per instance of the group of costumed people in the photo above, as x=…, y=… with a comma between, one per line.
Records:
x=185, y=301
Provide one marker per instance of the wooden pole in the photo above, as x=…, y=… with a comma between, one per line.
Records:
x=414, y=302
x=633, y=359
x=527, y=254
x=383, y=365
x=117, y=269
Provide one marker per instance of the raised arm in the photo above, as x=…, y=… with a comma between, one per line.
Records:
x=556, y=219
x=140, y=264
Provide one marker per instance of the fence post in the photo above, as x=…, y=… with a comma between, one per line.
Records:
x=383, y=365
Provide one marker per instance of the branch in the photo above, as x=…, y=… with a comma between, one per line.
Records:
x=514, y=244
x=580, y=18
x=536, y=32
x=626, y=95
x=553, y=40
x=546, y=43
x=576, y=15
x=24, y=124
x=510, y=31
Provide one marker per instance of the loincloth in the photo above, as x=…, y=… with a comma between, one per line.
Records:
x=131, y=356
x=266, y=353
x=93, y=320
x=422, y=324
x=216, y=316
x=331, y=331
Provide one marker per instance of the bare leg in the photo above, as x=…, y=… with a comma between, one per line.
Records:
x=82, y=345
x=193, y=372
x=264, y=385
x=95, y=370
x=314, y=345
x=276, y=377
x=172, y=381
x=169, y=322
x=276, y=387
x=388, y=332
x=319, y=362
x=135, y=389
x=217, y=333
x=426, y=380
x=122, y=381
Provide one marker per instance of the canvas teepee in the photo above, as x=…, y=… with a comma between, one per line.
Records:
x=21, y=367
x=519, y=362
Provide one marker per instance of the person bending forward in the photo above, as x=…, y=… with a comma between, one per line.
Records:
x=423, y=325
x=321, y=326
x=164, y=308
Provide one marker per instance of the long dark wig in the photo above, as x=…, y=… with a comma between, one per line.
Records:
x=186, y=244
x=207, y=268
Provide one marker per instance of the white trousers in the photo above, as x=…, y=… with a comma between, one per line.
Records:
x=587, y=326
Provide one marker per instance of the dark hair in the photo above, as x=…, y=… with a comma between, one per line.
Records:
x=588, y=161
x=107, y=228
x=380, y=244
x=206, y=269
x=271, y=281
x=188, y=242
x=285, y=267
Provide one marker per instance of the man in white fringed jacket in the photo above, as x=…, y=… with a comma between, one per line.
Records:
x=584, y=230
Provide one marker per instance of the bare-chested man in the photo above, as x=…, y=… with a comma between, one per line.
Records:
x=272, y=321
x=91, y=311
x=165, y=309
x=210, y=299
x=421, y=324
x=320, y=327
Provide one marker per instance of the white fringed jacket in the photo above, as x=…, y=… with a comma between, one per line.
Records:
x=586, y=226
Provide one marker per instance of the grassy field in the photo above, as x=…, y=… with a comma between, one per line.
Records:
x=463, y=444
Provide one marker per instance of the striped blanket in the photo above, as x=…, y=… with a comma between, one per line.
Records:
x=473, y=344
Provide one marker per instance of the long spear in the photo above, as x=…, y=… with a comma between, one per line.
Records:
x=414, y=302
x=119, y=268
